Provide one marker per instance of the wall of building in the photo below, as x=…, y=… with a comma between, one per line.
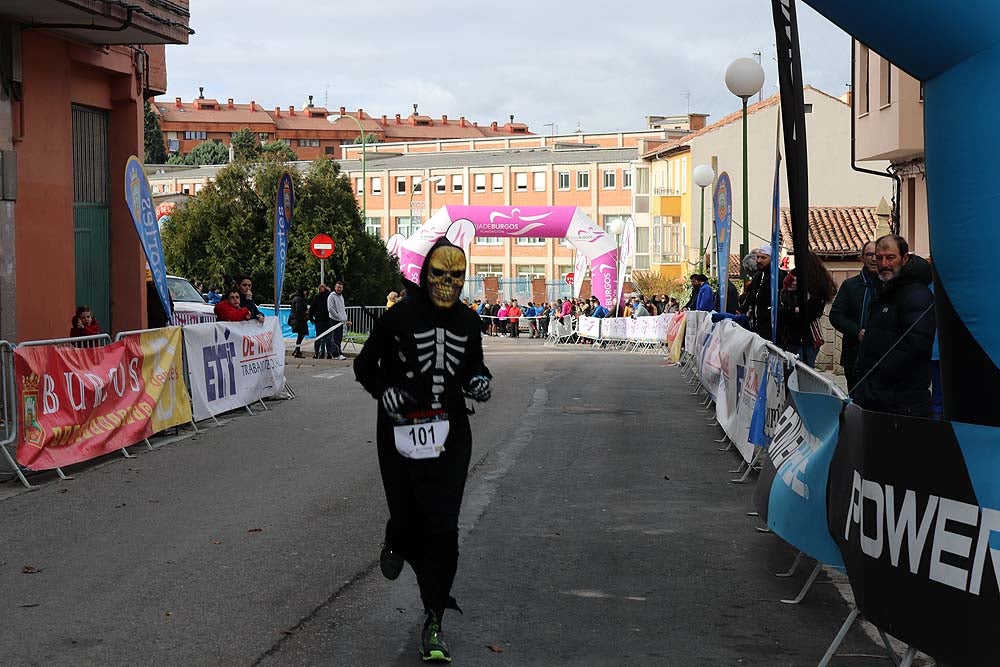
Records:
x=888, y=128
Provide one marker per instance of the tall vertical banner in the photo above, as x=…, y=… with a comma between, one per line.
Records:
x=140, y=205
x=722, y=209
x=580, y=267
x=285, y=200
x=775, y=230
x=626, y=251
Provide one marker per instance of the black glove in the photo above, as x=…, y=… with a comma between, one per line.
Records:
x=478, y=389
x=396, y=402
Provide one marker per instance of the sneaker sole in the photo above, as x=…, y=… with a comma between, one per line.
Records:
x=434, y=656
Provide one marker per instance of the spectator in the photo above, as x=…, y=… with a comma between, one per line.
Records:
x=502, y=318
x=543, y=323
x=757, y=304
x=390, y=299
x=893, y=367
x=84, y=323
x=701, y=292
x=298, y=319
x=213, y=296
x=849, y=312
x=319, y=313
x=799, y=312
x=245, y=285
x=567, y=308
x=599, y=310
x=638, y=310
x=732, y=299
x=674, y=306
x=338, y=315
x=230, y=310
x=529, y=314
x=514, y=317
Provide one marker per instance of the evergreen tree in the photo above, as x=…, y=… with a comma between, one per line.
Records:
x=208, y=152
x=280, y=151
x=154, y=150
x=246, y=145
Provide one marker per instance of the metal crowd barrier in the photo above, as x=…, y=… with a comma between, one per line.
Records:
x=363, y=317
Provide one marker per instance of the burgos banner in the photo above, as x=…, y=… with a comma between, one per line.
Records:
x=80, y=403
x=140, y=205
x=232, y=364
x=284, y=201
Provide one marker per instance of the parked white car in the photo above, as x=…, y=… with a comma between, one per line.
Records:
x=190, y=306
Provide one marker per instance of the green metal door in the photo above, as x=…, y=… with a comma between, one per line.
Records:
x=91, y=217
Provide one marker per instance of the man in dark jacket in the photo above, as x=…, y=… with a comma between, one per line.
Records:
x=319, y=314
x=893, y=368
x=849, y=312
x=757, y=305
x=732, y=299
x=244, y=284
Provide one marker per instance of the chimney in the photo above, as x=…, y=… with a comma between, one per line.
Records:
x=310, y=105
x=461, y=121
x=229, y=103
x=414, y=109
x=343, y=111
x=277, y=112
x=384, y=119
x=361, y=114
x=493, y=125
x=291, y=111
x=177, y=103
x=253, y=106
x=397, y=119
x=201, y=92
x=444, y=119
x=475, y=123
x=512, y=119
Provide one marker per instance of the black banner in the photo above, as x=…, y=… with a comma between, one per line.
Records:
x=914, y=506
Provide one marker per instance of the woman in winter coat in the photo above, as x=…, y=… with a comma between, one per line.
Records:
x=298, y=320
x=798, y=311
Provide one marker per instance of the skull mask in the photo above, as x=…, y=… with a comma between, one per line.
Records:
x=445, y=276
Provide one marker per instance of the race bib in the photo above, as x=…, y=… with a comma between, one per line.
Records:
x=422, y=439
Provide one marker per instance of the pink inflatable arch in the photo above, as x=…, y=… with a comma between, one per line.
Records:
x=460, y=224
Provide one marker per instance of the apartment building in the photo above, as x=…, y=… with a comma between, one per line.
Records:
x=311, y=131
x=888, y=121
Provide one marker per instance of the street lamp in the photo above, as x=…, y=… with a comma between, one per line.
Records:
x=364, y=160
x=413, y=191
x=616, y=227
x=744, y=78
x=703, y=177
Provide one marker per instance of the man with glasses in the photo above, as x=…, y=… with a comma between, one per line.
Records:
x=849, y=312
x=245, y=286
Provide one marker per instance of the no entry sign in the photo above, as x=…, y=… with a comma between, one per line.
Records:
x=322, y=246
x=569, y=278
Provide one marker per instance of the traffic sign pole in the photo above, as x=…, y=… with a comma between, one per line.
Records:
x=322, y=276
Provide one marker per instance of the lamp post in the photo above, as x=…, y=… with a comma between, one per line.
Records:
x=703, y=177
x=413, y=191
x=616, y=227
x=364, y=160
x=744, y=78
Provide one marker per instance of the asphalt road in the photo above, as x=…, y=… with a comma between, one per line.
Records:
x=599, y=528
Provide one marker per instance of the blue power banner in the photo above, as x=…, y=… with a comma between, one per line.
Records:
x=140, y=205
x=284, y=201
x=722, y=207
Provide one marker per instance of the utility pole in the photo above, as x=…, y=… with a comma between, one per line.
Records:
x=760, y=93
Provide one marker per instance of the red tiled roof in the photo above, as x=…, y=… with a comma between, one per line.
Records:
x=834, y=231
x=189, y=113
x=734, y=266
x=310, y=118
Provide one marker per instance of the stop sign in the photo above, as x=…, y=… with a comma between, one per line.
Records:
x=569, y=278
x=322, y=246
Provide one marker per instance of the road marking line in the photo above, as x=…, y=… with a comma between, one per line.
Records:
x=327, y=376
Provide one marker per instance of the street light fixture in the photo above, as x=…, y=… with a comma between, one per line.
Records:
x=744, y=78
x=617, y=227
x=413, y=191
x=703, y=176
x=364, y=161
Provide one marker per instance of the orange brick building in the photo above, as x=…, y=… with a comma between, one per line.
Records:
x=70, y=117
x=312, y=131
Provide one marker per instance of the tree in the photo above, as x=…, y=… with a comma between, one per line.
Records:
x=228, y=229
x=154, y=150
x=279, y=150
x=369, y=139
x=246, y=145
x=208, y=152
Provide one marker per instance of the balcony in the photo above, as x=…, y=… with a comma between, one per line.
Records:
x=666, y=192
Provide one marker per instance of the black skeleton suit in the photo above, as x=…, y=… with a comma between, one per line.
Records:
x=424, y=355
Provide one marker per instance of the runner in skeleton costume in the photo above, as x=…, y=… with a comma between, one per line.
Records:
x=422, y=358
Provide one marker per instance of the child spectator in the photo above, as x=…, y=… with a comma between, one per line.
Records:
x=229, y=309
x=84, y=323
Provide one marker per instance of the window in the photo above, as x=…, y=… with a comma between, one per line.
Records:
x=531, y=240
x=199, y=186
x=642, y=181
x=673, y=243
x=583, y=180
x=406, y=225
x=641, y=249
x=314, y=143
x=195, y=135
x=373, y=226
x=539, y=177
x=521, y=181
x=626, y=179
x=488, y=240
x=608, y=182
x=376, y=185
x=264, y=136
x=456, y=184
x=684, y=175
x=401, y=185
x=417, y=185
x=287, y=142
x=329, y=150
x=358, y=185
x=884, y=83
x=480, y=181
x=863, y=63
x=530, y=270
x=497, y=182
x=489, y=270
x=564, y=180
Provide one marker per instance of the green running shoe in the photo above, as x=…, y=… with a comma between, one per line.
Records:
x=432, y=646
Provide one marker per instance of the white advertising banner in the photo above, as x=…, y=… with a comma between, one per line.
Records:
x=614, y=328
x=589, y=327
x=742, y=360
x=233, y=364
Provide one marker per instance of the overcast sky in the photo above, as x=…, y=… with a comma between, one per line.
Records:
x=602, y=65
